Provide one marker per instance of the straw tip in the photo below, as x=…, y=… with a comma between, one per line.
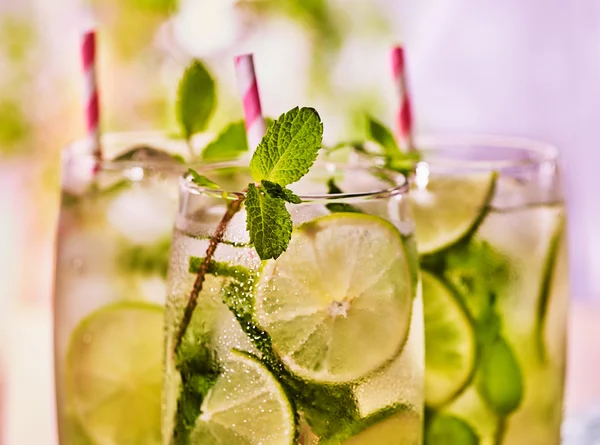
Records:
x=398, y=59
x=242, y=57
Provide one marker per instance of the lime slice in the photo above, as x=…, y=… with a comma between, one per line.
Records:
x=449, y=208
x=114, y=374
x=450, y=346
x=398, y=425
x=337, y=303
x=246, y=406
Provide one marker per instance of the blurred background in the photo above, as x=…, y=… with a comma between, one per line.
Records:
x=512, y=67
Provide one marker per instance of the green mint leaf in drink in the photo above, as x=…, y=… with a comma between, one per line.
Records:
x=489, y=324
x=404, y=162
x=475, y=269
x=196, y=98
x=203, y=181
x=268, y=222
x=199, y=370
x=500, y=381
x=280, y=192
x=230, y=144
x=220, y=269
x=399, y=424
x=289, y=148
x=339, y=207
x=445, y=429
x=377, y=132
x=145, y=260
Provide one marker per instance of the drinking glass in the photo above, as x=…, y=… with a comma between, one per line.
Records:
x=111, y=264
x=321, y=345
x=490, y=229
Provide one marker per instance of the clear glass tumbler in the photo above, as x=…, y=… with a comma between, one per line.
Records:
x=490, y=229
x=323, y=345
x=111, y=266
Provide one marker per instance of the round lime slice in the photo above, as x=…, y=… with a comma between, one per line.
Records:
x=114, y=374
x=450, y=347
x=449, y=208
x=338, y=302
x=246, y=406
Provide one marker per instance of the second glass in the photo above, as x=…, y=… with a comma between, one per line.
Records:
x=321, y=345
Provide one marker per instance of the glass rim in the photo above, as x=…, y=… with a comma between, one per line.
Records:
x=542, y=152
x=428, y=143
x=401, y=187
x=81, y=149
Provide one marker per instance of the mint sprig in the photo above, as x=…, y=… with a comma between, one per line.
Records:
x=203, y=181
x=230, y=144
x=286, y=153
x=196, y=99
x=377, y=132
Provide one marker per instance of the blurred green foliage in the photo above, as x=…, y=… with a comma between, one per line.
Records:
x=159, y=6
x=14, y=125
x=17, y=41
x=17, y=37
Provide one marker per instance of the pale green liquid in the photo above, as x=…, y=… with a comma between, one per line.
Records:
x=523, y=237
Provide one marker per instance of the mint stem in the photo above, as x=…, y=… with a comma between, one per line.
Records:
x=232, y=208
x=190, y=148
x=500, y=431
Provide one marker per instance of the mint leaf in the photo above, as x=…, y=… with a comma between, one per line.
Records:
x=278, y=191
x=198, y=367
x=230, y=144
x=268, y=222
x=475, y=269
x=404, y=162
x=339, y=207
x=145, y=260
x=203, y=181
x=289, y=148
x=220, y=269
x=447, y=429
x=500, y=381
x=196, y=99
x=377, y=132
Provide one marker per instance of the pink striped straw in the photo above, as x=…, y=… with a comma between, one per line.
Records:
x=248, y=85
x=92, y=106
x=404, y=117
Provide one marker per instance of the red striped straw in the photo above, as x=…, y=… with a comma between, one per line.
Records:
x=92, y=106
x=404, y=117
x=248, y=85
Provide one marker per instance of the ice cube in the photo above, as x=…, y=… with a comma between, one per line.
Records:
x=144, y=214
x=83, y=249
x=401, y=381
x=153, y=289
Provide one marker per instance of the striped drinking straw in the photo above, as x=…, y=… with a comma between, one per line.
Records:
x=92, y=106
x=248, y=85
x=404, y=117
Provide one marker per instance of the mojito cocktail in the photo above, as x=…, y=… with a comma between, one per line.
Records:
x=112, y=257
x=321, y=345
x=490, y=229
